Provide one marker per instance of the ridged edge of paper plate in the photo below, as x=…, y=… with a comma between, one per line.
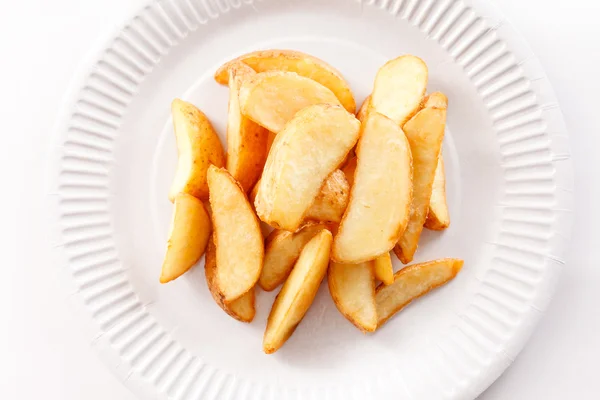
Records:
x=527, y=252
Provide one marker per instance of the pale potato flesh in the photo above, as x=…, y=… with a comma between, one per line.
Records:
x=380, y=197
x=312, y=145
x=188, y=236
x=332, y=200
x=242, y=309
x=438, y=217
x=399, y=88
x=246, y=140
x=198, y=146
x=282, y=249
x=298, y=292
x=384, y=271
x=412, y=282
x=298, y=62
x=271, y=99
x=352, y=288
x=425, y=132
x=237, y=236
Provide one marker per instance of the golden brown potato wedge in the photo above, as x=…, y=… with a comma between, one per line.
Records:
x=399, y=88
x=237, y=236
x=332, y=200
x=298, y=291
x=241, y=309
x=189, y=233
x=198, y=146
x=412, y=282
x=300, y=63
x=380, y=197
x=282, y=249
x=384, y=271
x=246, y=140
x=349, y=170
x=304, y=154
x=362, y=112
x=272, y=98
x=352, y=288
x=438, y=217
x=425, y=132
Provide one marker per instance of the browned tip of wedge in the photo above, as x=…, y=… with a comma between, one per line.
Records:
x=332, y=200
x=364, y=108
x=298, y=292
x=384, y=271
x=298, y=62
x=189, y=233
x=237, y=236
x=352, y=288
x=198, y=146
x=412, y=282
x=242, y=309
x=436, y=100
x=271, y=99
x=438, y=217
x=399, y=88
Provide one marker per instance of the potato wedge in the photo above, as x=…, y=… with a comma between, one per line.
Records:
x=438, y=217
x=332, y=200
x=349, y=170
x=198, y=146
x=352, y=288
x=189, y=233
x=362, y=111
x=298, y=291
x=384, y=271
x=412, y=282
x=242, y=309
x=246, y=140
x=304, y=154
x=300, y=63
x=282, y=249
x=381, y=195
x=272, y=98
x=237, y=236
x=425, y=132
x=399, y=88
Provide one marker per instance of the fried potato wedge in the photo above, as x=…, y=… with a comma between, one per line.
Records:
x=381, y=195
x=242, y=309
x=438, y=217
x=362, y=111
x=412, y=282
x=332, y=200
x=303, y=155
x=272, y=98
x=198, y=146
x=349, y=170
x=282, y=249
x=399, y=88
x=237, y=235
x=384, y=271
x=352, y=288
x=298, y=291
x=300, y=63
x=246, y=140
x=425, y=132
x=188, y=236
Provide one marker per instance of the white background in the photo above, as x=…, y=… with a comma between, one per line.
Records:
x=43, y=354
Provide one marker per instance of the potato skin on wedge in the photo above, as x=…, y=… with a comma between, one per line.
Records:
x=352, y=288
x=298, y=292
x=237, y=235
x=298, y=62
x=312, y=145
x=242, y=309
x=411, y=283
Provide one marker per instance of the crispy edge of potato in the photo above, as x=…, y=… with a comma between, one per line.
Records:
x=295, y=61
x=253, y=226
x=281, y=241
x=332, y=200
x=246, y=140
x=384, y=270
x=198, y=146
x=242, y=309
x=451, y=265
x=349, y=170
x=189, y=233
x=438, y=216
x=364, y=108
x=364, y=318
x=298, y=292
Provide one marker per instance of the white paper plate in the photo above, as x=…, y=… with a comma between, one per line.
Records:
x=509, y=187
